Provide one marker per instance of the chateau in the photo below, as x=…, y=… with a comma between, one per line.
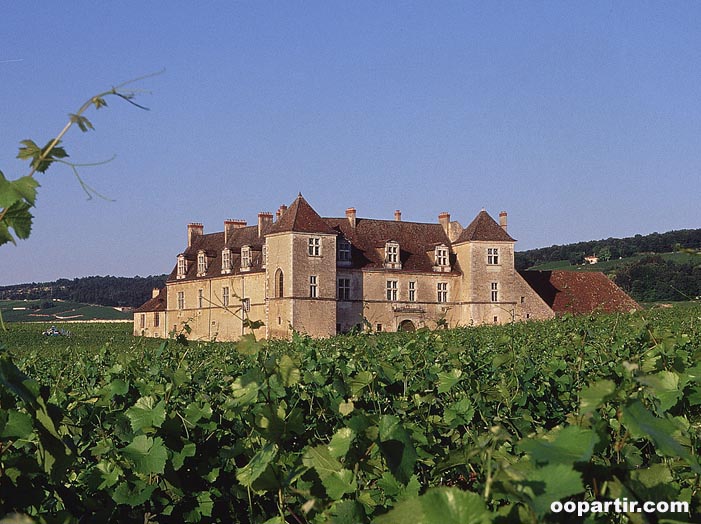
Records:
x=322, y=276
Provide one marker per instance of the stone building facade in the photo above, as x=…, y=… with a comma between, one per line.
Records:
x=323, y=276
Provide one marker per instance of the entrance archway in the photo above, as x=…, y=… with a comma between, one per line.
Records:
x=407, y=325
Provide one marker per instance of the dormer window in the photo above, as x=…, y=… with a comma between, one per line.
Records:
x=226, y=261
x=182, y=267
x=245, y=258
x=201, y=264
x=442, y=257
x=343, y=251
x=392, y=260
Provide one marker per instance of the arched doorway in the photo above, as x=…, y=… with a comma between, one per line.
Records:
x=406, y=325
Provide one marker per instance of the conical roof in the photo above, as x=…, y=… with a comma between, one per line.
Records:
x=300, y=217
x=483, y=227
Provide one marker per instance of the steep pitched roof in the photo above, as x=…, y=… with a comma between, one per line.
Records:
x=579, y=292
x=157, y=303
x=483, y=227
x=369, y=236
x=301, y=218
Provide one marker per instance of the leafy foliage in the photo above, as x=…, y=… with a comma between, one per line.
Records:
x=387, y=427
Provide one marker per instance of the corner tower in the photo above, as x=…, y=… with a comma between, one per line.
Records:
x=486, y=254
x=301, y=273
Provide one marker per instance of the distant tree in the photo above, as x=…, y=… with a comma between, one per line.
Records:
x=604, y=253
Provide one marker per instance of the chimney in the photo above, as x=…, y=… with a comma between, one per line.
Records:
x=398, y=215
x=229, y=226
x=194, y=229
x=350, y=215
x=444, y=220
x=155, y=292
x=502, y=220
x=281, y=211
x=264, y=220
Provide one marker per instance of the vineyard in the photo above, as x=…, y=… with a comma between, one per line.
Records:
x=472, y=425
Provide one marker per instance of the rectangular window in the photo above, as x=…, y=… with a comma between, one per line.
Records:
x=246, y=304
x=392, y=290
x=493, y=256
x=245, y=257
x=200, y=298
x=523, y=300
x=181, y=300
x=392, y=255
x=156, y=319
x=314, y=246
x=226, y=261
x=182, y=267
x=412, y=291
x=441, y=256
x=378, y=328
x=201, y=264
x=344, y=289
x=225, y=296
x=344, y=250
x=442, y=288
x=313, y=287
x=495, y=291
x=143, y=320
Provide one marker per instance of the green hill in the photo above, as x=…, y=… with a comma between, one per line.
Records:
x=57, y=311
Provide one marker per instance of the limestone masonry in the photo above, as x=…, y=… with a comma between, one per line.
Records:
x=322, y=276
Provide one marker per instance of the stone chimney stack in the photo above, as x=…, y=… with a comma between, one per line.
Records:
x=502, y=220
x=264, y=220
x=155, y=292
x=229, y=226
x=281, y=210
x=350, y=215
x=444, y=220
x=194, y=230
x=398, y=215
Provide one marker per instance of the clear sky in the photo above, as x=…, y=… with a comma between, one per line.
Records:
x=581, y=119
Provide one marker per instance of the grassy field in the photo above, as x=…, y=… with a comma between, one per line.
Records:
x=53, y=311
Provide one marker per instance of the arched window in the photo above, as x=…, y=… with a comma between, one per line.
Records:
x=279, y=283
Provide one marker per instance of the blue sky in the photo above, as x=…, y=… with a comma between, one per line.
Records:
x=581, y=119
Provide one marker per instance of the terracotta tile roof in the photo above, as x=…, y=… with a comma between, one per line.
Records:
x=579, y=292
x=368, y=238
x=416, y=240
x=483, y=227
x=157, y=303
x=301, y=218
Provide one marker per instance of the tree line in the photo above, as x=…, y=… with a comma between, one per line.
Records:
x=611, y=248
x=103, y=291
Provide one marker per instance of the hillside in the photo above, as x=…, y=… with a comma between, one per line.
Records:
x=611, y=248
x=104, y=291
x=650, y=268
x=57, y=311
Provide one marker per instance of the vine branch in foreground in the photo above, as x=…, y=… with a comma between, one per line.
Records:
x=17, y=197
